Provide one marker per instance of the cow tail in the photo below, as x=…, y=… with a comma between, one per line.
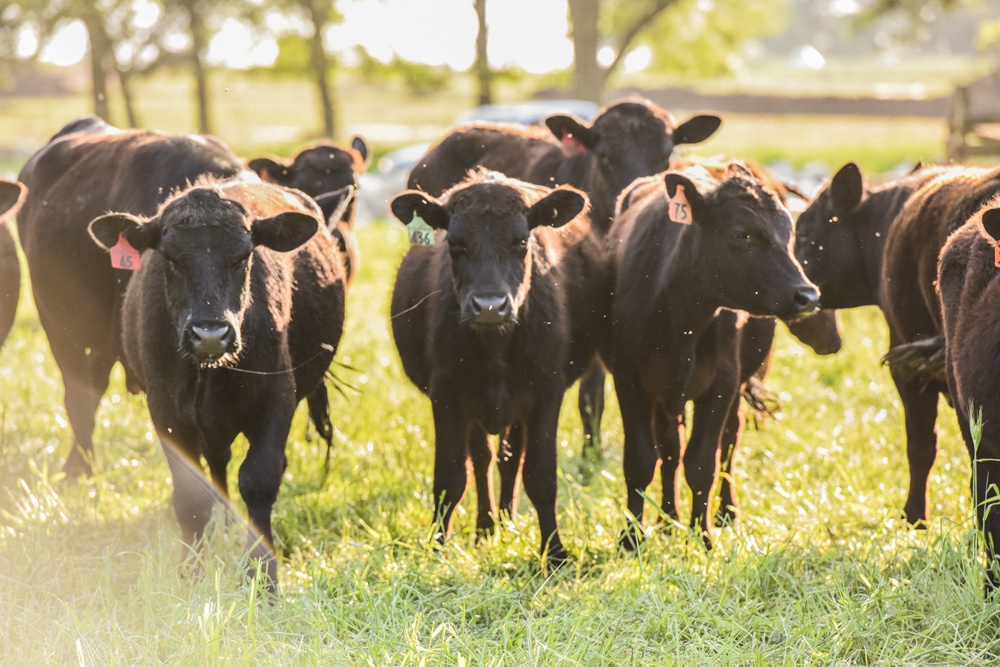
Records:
x=319, y=413
x=761, y=402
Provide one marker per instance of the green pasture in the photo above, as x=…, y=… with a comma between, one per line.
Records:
x=819, y=571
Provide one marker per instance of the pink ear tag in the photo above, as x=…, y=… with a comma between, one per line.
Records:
x=678, y=207
x=996, y=256
x=124, y=256
x=571, y=145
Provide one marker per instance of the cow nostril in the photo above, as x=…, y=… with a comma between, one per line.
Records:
x=211, y=339
x=490, y=309
x=807, y=299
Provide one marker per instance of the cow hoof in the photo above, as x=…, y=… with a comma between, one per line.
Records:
x=77, y=466
x=916, y=520
x=556, y=556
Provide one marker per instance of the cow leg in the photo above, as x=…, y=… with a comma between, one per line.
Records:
x=85, y=378
x=732, y=433
x=985, y=488
x=450, y=473
x=510, y=460
x=701, y=457
x=481, y=455
x=194, y=496
x=260, y=478
x=540, y=474
x=591, y=404
x=669, y=433
x=639, y=456
x=920, y=412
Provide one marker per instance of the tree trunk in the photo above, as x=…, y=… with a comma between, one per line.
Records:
x=196, y=24
x=100, y=49
x=321, y=66
x=588, y=77
x=483, y=71
x=125, y=79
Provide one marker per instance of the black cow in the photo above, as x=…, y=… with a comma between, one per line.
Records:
x=232, y=319
x=87, y=169
x=494, y=321
x=969, y=289
x=318, y=169
x=11, y=195
x=843, y=243
x=685, y=245
x=625, y=141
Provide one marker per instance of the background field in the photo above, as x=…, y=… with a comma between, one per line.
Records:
x=820, y=570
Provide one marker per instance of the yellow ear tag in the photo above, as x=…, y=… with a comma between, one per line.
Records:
x=420, y=232
x=678, y=207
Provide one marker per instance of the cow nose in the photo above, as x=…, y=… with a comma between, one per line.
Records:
x=807, y=299
x=211, y=340
x=490, y=309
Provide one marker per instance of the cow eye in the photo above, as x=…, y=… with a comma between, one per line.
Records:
x=456, y=246
x=741, y=235
x=521, y=244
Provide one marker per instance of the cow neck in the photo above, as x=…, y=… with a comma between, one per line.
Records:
x=883, y=207
x=682, y=292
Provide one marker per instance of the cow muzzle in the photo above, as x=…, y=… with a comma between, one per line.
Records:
x=209, y=340
x=490, y=311
x=806, y=303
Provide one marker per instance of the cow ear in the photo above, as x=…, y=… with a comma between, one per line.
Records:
x=557, y=208
x=414, y=202
x=271, y=171
x=283, y=232
x=570, y=131
x=141, y=235
x=846, y=189
x=696, y=129
x=11, y=195
x=673, y=182
x=991, y=223
x=336, y=204
x=358, y=144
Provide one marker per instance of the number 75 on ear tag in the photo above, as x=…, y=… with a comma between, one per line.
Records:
x=678, y=208
x=420, y=232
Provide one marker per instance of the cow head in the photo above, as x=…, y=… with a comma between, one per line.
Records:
x=489, y=222
x=626, y=141
x=11, y=195
x=744, y=246
x=203, y=244
x=325, y=167
x=828, y=242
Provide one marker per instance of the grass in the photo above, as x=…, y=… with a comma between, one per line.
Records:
x=819, y=571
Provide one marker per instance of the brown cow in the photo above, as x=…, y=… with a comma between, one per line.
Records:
x=685, y=246
x=494, y=321
x=232, y=318
x=843, y=243
x=11, y=195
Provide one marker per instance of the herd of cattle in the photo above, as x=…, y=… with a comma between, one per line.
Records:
x=539, y=256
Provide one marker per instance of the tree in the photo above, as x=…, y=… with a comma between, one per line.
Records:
x=692, y=35
x=484, y=75
x=319, y=15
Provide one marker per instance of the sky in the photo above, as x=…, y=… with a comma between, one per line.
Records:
x=443, y=35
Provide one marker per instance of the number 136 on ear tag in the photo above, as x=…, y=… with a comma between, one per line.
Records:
x=420, y=232
x=678, y=207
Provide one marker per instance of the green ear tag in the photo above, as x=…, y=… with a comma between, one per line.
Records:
x=420, y=232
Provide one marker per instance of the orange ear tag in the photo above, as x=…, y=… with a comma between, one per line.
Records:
x=678, y=207
x=124, y=256
x=420, y=232
x=996, y=256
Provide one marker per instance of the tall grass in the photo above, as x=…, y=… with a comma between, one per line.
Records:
x=820, y=569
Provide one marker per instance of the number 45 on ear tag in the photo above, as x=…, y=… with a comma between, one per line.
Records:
x=124, y=256
x=678, y=207
x=420, y=232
